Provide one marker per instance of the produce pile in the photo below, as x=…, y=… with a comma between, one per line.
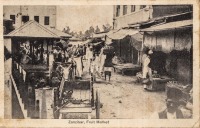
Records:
x=178, y=91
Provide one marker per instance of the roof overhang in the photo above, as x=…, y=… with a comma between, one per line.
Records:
x=103, y=34
x=170, y=25
x=122, y=33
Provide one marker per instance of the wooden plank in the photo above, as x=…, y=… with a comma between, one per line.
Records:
x=8, y=89
x=76, y=110
x=24, y=111
x=43, y=106
x=62, y=83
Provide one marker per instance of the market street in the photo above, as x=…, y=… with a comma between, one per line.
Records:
x=120, y=62
x=123, y=98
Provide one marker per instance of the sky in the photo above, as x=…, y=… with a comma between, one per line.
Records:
x=81, y=17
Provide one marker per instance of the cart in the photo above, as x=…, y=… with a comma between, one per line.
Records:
x=76, y=100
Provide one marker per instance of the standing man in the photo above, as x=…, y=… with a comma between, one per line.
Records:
x=77, y=59
x=146, y=70
x=102, y=58
x=89, y=56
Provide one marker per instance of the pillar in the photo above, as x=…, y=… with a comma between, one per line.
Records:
x=45, y=98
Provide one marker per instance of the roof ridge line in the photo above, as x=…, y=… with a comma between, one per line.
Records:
x=46, y=29
x=21, y=27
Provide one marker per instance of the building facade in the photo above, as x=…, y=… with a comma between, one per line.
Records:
x=125, y=15
x=45, y=15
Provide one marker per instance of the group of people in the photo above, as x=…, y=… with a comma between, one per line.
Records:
x=38, y=55
x=71, y=54
x=96, y=64
x=100, y=64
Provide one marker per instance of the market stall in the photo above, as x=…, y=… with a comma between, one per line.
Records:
x=172, y=46
x=127, y=44
x=30, y=46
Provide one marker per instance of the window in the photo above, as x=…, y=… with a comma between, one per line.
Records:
x=124, y=9
x=132, y=8
x=25, y=19
x=13, y=18
x=142, y=6
x=46, y=20
x=36, y=18
x=118, y=10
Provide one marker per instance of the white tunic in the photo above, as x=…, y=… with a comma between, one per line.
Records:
x=145, y=67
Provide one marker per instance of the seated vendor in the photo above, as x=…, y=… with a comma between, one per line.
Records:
x=171, y=111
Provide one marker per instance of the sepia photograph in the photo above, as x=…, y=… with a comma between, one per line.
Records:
x=98, y=62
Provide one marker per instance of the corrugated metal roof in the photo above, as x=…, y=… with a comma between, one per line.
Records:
x=34, y=29
x=75, y=39
x=170, y=25
x=60, y=33
x=99, y=35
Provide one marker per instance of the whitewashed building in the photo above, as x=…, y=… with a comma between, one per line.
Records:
x=45, y=15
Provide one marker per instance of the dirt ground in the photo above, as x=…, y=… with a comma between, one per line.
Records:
x=123, y=98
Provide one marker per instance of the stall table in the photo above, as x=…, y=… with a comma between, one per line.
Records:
x=127, y=67
x=159, y=83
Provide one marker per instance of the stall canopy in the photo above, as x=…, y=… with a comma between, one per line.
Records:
x=136, y=41
x=120, y=34
x=177, y=38
x=103, y=34
x=34, y=29
x=170, y=25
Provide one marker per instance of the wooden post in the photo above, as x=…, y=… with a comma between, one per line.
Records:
x=131, y=52
x=174, y=37
x=47, y=41
x=42, y=52
x=138, y=59
x=92, y=94
x=31, y=50
x=47, y=53
x=31, y=47
x=156, y=40
x=120, y=48
x=52, y=44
